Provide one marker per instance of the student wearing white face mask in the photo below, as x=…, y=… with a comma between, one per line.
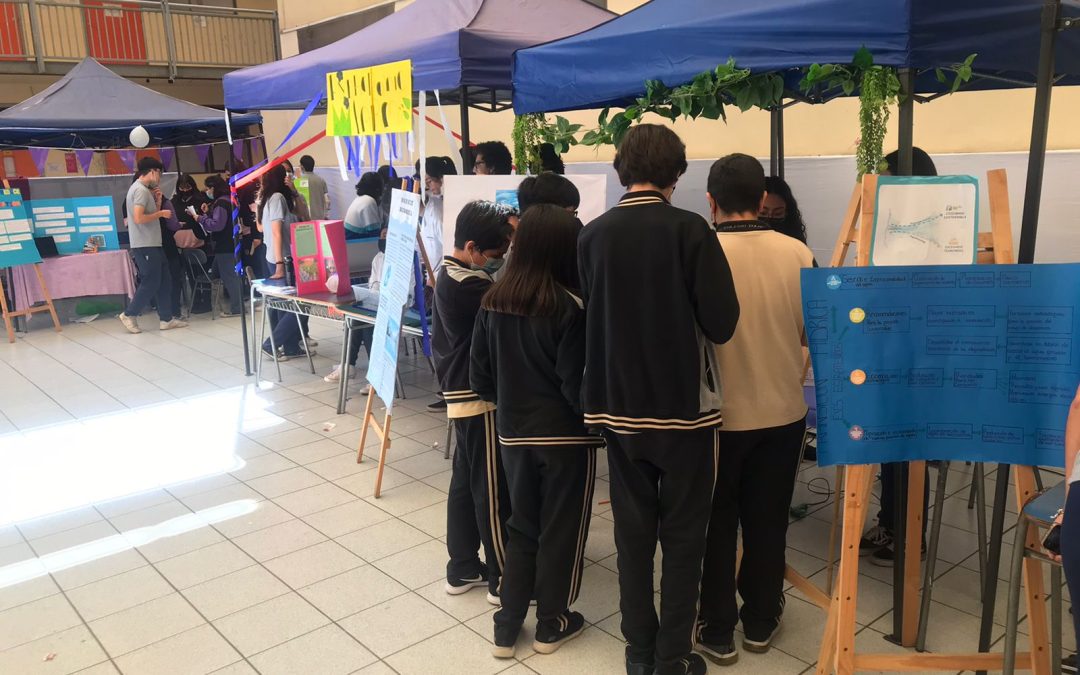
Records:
x=431, y=226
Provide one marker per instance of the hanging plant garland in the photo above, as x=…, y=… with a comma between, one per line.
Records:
x=708, y=94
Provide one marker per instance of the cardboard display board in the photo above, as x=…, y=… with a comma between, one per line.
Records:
x=318, y=255
x=76, y=224
x=932, y=220
x=16, y=231
x=368, y=101
x=460, y=190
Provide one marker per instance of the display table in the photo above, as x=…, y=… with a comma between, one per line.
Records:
x=71, y=276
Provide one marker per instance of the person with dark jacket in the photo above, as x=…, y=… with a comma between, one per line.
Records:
x=217, y=221
x=548, y=188
x=658, y=297
x=528, y=356
x=477, y=505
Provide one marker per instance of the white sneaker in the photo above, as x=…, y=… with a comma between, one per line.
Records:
x=130, y=323
x=334, y=375
x=173, y=323
x=311, y=342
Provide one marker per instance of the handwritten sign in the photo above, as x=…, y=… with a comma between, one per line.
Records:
x=369, y=101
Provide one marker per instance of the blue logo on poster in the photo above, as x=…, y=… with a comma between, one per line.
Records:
x=833, y=282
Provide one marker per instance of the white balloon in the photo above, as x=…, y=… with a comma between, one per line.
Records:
x=139, y=137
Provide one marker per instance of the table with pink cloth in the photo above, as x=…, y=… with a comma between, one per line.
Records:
x=72, y=276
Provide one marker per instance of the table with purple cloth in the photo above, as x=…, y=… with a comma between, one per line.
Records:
x=72, y=276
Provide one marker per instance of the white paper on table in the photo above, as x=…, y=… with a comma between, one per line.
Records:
x=53, y=215
x=94, y=210
x=21, y=237
x=16, y=226
x=6, y=214
x=96, y=228
x=50, y=231
x=62, y=239
x=88, y=221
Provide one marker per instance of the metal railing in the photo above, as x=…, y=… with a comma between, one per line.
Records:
x=47, y=36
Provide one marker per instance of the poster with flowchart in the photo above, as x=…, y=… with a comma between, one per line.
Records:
x=943, y=362
x=77, y=223
x=16, y=231
x=925, y=220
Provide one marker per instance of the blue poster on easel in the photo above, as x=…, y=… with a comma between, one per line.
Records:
x=16, y=231
x=77, y=224
x=943, y=362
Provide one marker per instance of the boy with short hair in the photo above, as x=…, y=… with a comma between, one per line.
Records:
x=658, y=295
x=478, y=503
x=764, y=417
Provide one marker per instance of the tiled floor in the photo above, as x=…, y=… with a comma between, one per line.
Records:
x=160, y=513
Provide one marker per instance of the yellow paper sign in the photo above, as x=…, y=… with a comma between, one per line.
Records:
x=369, y=101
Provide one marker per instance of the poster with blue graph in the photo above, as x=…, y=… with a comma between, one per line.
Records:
x=397, y=278
x=16, y=231
x=957, y=362
x=76, y=224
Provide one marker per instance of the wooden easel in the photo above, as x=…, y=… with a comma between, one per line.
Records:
x=47, y=307
x=837, y=651
x=383, y=430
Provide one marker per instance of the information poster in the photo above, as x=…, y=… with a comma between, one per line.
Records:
x=394, y=286
x=932, y=220
x=943, y=362
x=369, y=101
x=16, y=231
x=76, y=224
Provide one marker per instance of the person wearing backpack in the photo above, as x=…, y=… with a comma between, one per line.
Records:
x=216, y=220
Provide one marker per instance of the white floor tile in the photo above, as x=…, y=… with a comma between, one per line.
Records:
x=145, y=624
x=386, y=538
x=190, y=569
x=472, y=655
x=418, y=566
x=352, y=591
x=270, y=623
x=120, y=592
x=339, y=520
x=284, y=482
x=277, y=540
x=36, y=619
x=314, y=563
x=314, y=499
x=199, y=650
x=380, y=628
x=328, y=651
x=66, y=651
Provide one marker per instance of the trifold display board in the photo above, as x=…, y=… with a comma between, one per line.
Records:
x=76, y=224
x=966, y=362
x=16, y=231
x=319, y=257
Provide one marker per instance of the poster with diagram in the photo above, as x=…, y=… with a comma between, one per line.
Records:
x=925, y=220
x=76, y=224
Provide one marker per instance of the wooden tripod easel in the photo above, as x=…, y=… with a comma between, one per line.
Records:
x=837, y=653
x=47, y=307
x=382, y=431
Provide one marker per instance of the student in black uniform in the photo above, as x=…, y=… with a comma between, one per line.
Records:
x=548, y=188
x=478, y=504
x=528, y=356
x=658, y=295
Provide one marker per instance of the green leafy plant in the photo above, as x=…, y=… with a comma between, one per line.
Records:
x=528, y=130
x=708, y=94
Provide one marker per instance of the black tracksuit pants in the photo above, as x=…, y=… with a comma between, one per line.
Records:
x=551, y=492
x=661, y=488
x=478, y=504
x=754, y=486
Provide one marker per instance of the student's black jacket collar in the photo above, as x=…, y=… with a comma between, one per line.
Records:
x=741, y=226
x=641, y=197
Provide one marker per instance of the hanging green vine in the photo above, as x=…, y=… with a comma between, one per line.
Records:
x=527, y=135
x=708, y=94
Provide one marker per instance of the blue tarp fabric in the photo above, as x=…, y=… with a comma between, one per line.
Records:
x=93, y=107
x=452, y=43
x=674, y=40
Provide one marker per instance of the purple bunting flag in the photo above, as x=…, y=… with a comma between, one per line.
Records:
x=85, y=157
x=39, y=156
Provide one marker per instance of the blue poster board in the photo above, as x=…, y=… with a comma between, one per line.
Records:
x=943, y=362
x=74, y=221
x=16, y=231
x=397, y=276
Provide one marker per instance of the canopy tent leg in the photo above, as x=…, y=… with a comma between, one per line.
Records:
x=237, y=247
x=776, y=140
x=1039, y=127
x=466, y=144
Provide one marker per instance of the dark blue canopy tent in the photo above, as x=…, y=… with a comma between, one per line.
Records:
x=93, y=107
x=1019, y=43
x=459, y=47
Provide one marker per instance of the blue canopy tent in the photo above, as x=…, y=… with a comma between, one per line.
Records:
x=1020, y=43
x=460, y=47
x=93, y=107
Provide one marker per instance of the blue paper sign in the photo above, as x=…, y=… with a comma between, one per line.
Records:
x=393, y=293
x=76, y=224
x=943, y=362
x=507, y=198
x=16, y=231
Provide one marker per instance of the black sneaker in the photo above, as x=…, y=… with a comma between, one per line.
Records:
x=1068, y=664
x=759, y=639
x=459, y=585
x=886, y=557
x=437, y=406
x=876, y=538
x=638, y=668
x=505, y=641
x=691, y=664
x=721, y=653
x=551, y=634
